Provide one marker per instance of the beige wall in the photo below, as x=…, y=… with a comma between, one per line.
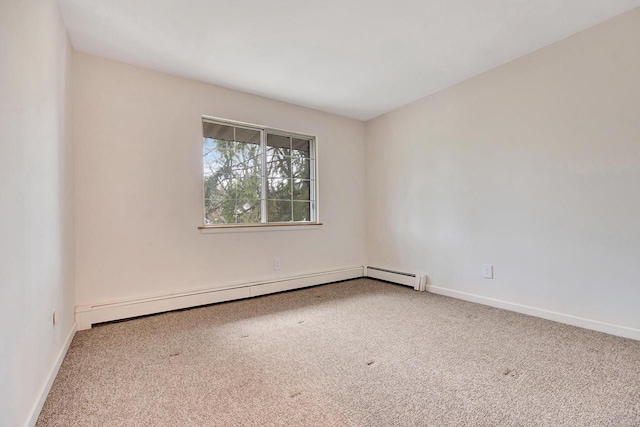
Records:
x=533, y=167
x=139, y=187
x=36, y=214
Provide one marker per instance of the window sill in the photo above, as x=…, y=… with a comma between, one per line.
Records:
x=246, y=228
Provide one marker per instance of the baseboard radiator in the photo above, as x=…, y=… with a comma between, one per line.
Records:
x=415, y=280
x=88, y=315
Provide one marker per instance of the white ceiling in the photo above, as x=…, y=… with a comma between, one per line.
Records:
x=357, y=58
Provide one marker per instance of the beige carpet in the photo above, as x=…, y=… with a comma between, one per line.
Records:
x=358, y=353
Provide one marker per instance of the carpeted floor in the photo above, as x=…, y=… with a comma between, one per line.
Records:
x=357, y=353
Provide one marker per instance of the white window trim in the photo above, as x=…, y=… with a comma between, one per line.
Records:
x=269, y=226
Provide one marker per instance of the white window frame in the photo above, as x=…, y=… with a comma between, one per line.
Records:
x=264, y=225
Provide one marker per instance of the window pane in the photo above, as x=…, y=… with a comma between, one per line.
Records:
x=232, y=211
x=278, y=145
x=219, y=211
x=223, y=155
x=301, y=168
x=278, y=211
x=248, y=211
x=279, y=167
x=216, y=131
x=246, y=159
x=226, y=159
x=248, y=187
x=301, y=211
x=218, y=157
x=301, y=147
x=301, y=190
x=216, y=187
x=279, y=188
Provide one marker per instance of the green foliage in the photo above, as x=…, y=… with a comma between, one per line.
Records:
x=232, y=183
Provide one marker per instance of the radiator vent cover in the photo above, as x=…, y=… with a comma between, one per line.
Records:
x=392, y=271
x=415, y=280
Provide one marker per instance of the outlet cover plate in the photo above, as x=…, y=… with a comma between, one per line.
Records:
x=487, y=271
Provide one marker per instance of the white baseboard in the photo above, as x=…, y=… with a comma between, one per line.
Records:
x=88, y=315
x=594, y=325
x=44, y=392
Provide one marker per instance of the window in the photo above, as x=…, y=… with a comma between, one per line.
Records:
x=255, y=175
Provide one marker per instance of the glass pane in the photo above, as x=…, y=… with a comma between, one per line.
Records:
x=301, y=190
x=278, y=211
x=278, y=145
x=218, y=157
x=301, y=147
x=227, y=159
x=216, y=131
x=246, y=159
x=217, y=187
x=219, y=211
x=279, y=167
x=248, y=187
x=248, y=136
x=301, y=211
x=208, y=214
x=232, y=211
x=248, y=211
x=278, y=188
x=208, y=151
x=301, y=168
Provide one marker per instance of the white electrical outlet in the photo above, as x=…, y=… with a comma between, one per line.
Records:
x=487, y=271
x=276, y=263
x=55, y=317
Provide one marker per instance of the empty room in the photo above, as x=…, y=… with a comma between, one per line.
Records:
x=320, y=213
